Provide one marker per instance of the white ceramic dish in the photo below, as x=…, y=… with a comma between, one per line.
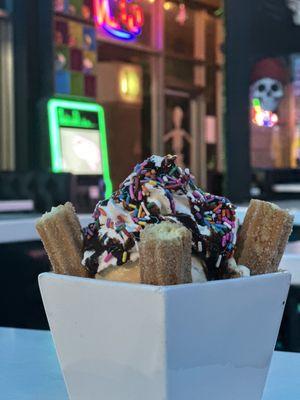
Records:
x=210, y=341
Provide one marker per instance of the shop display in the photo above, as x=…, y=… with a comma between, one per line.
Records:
x=78, y=139
x=268, y=80
x=113, y=57
x=273, y=114
x=75, y=50
x=178, y=136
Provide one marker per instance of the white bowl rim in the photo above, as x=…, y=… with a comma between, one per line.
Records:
x=155, y=288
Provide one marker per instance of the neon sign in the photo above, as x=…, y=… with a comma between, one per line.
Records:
x=123, y=19
x=261, y=117
x=75, y=114
x=74, y=119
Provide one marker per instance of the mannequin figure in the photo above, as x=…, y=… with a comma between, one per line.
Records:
x=177, y=135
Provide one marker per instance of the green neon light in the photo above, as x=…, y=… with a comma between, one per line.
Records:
x=56, y=155
x=256, y=102
x=74, y=120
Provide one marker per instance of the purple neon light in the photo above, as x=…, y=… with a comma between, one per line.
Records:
x=120, y=34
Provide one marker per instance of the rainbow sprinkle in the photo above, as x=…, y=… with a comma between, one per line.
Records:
x=211, y=218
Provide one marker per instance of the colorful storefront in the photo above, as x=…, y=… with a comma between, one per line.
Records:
x=155, y=67
x=262, y=99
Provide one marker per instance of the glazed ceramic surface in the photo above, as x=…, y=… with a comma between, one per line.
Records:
x=210, y=341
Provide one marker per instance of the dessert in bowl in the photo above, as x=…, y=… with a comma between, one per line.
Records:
x=164, y=319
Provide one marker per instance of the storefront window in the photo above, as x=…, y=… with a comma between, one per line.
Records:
x=178, y=118
x=152, y=65
x=274, y=101
x=124, y=89
x=193, y=93
x=179, y=29
x=103, y=56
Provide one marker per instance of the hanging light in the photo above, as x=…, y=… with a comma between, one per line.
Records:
x=168, y=5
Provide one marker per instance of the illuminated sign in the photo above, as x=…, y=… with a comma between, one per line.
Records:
x=74, y=118
x=122, y=19
x=261, y=117
x=130, y=83
x=78, y=139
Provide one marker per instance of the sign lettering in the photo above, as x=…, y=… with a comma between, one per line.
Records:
x=73, y=118
x=121, y=18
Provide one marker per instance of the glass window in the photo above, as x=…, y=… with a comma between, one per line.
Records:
x=178, y=130
x=274, y=112
x=179, y=29
x=179, y=73
x=193, y=80
x=124, y=89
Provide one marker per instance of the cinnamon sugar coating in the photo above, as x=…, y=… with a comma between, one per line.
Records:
x=165, y=254
x=61, y=235
x=263, y=237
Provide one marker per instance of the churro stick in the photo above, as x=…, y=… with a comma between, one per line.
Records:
x=263, y=237
x=60, y=232
x=165, y=254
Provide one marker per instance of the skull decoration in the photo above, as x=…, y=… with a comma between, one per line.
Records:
x=294, y=6
x=269, y=92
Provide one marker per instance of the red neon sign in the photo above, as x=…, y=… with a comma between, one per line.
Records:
x=120, y=18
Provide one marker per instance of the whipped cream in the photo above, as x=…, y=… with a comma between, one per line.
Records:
x=158, y=190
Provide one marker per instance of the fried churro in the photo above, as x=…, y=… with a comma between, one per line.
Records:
x=263, y=237
x=165, y=254
x=61, y=235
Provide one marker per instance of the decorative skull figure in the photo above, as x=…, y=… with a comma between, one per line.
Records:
x=269, y=91
x=294, y=6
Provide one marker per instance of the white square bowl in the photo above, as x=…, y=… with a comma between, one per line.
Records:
x=208, y=341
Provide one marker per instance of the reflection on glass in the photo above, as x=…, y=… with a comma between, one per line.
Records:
x=274, y=118
x=177, y=137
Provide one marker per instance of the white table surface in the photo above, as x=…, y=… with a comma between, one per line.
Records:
x=241, y=212
x=29, y=369
x=292, y=205
x=16, y=205
x=23, y=229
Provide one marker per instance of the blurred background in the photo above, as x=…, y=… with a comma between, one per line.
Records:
x=215, y=82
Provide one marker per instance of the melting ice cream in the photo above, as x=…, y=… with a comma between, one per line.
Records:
x=159, y=190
